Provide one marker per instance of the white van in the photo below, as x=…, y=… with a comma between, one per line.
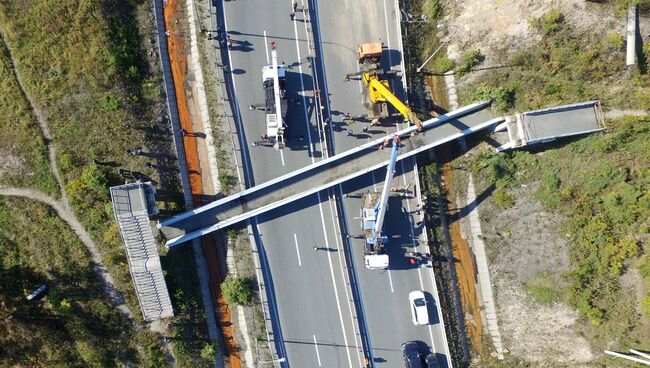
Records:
x=419, y=310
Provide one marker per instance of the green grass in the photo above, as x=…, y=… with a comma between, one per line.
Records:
x=74, y=324
x=189, y=329
x=601, y=183
x=542, y=288
x=20, y=137
x=83, y=63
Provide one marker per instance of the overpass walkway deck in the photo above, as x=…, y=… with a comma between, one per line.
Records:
x=322, y=175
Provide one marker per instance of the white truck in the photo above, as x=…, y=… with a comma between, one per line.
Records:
x=275, y=97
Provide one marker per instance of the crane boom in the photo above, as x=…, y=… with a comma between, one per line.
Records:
x=379, y=92
x=373, y=214
x=380, y=209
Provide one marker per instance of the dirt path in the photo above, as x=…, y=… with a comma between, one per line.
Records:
x=108, y=285
x=63, y=208
x=42, y=122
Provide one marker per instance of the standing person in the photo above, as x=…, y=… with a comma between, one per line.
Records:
x=291, y=16
x=295, y=6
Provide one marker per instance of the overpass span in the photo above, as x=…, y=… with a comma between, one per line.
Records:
x=323, y=174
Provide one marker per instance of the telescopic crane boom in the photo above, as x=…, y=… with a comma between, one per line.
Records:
x=373, y=214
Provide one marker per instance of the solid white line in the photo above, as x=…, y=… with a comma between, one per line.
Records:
x=302, y=86
x=415, y=245
x=390, y=280
x=343, y=276
x=401, y=47
x=306, y=32
x=295, y=239
x=317, y=354
x=387, y=32
x=336, y=292
x=266, y=46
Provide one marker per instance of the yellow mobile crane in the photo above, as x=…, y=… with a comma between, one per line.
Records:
x=378, y=92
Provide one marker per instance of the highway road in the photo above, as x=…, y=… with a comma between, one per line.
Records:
x=311, y=303
x=384, y=294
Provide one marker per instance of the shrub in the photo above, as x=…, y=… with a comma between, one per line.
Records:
x=225, y=181
x=503, y=199
x=237, y=290
x=209, y=350
x=442, y=64
x=614, y=40
x=548, y=191
x=548, y=23
x=469, y=60
x=644, y=268
x=434, y=9
x=645, y=305
x=503, y=97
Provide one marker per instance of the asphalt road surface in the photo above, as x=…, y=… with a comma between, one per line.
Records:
x=311, y=304
x=384, y=294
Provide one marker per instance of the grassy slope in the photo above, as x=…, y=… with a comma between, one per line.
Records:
x=74, y=324
x=565, y=66
x=601, y=182
x=607, y=199
x=82, y=62
x=21, y=136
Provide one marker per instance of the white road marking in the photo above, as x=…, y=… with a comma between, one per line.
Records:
x=246, y=164
x=387, y=32
x=415, y=245
x=295, y=239
x=343, y=276
x=266, y=46
x=336, y=292
x=401, y=47
x=317, y=354
x=302, y=86
x=320, y=207
x=305, y=23
x=390, y=280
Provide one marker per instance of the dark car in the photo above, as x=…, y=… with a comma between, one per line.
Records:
x=412, y=357
x=431, y=361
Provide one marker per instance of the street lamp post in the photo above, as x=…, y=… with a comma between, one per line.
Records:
x=440, y=27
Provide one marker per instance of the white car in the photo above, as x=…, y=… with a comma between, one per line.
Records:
x=419, y=310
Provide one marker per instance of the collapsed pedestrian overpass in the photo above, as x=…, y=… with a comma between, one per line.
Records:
x=323, y=174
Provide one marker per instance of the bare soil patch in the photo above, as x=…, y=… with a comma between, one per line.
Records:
x=521, y=242
x=492, y=25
